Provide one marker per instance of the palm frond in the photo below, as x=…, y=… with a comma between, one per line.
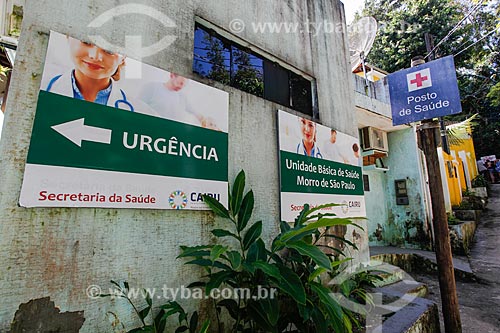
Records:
x=458, y=133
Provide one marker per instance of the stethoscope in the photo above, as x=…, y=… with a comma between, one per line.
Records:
x=314, y=153
x=124, y=100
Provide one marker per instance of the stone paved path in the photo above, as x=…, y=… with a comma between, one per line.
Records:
x=479, y=302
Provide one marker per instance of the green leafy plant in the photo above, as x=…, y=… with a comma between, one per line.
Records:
x=4, y=71
x=355, y=288
x=292, y=266
x=470, y=203
x=159, y=322
x=480, y=181
x=452, y=220
x=468, y=193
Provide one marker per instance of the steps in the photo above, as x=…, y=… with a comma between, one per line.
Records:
x=400, y=305
x=413, y=260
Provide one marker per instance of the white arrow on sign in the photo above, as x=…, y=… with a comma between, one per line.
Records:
x=76, y=131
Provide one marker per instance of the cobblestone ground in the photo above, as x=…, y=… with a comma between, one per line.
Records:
x=479, y=301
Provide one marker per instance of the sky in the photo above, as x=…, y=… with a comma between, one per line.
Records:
x=351, y=7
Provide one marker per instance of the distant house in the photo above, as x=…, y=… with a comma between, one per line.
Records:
x=458, y=168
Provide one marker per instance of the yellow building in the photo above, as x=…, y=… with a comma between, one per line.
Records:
x=458, y=168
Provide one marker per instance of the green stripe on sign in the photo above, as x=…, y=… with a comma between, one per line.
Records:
x=304, y=174
x=195, y=153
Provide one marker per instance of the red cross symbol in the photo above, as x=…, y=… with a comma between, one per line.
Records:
x=419, y=79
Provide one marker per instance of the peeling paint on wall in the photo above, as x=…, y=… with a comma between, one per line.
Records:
x=41, y=315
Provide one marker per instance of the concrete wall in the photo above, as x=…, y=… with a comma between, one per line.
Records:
x=399, y=225
x=410, y=224
x=59, y=252
x=377, y=206
x=377, y=93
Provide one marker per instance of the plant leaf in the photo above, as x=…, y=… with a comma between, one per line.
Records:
x=216, y=252
x=116, y=284
x=193, y=323
x=205, y=326
x=160, y=322
x=299, y=220
x=144, y=312
x=311, y=227
x=290, y=283
x=341, y=239
x=223, y=233
x=337, y=263
x=257, y=251
x=320, y=207
x=312, y=252
x=246, y=211
x=267, y=268
x=231, y=306
x=148, y=328
x=284, y=226
x=216, y=206
x=252, y=234
x=194, y=251
x=208, y=263
x=318, y=216
x=197, y=284
x=148, y=298
x=333, y=308
x=237, y=193
x=234, y=258
x=259, y=316
x=217, y=279
x=319, y=321
x=317, y=272
x=334, y=249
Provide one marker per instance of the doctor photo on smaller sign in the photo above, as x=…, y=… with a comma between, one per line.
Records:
x=307, y=145
x=84, y=71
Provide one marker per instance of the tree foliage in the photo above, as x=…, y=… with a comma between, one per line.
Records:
x=402, y=26
x=247, y=77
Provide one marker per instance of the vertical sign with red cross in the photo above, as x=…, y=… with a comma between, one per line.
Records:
x=423, y=92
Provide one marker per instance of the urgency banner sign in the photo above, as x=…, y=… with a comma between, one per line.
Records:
x=102, y=138
x=318, y=165
x=423, y=92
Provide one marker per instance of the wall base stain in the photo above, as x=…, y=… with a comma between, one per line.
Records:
x=41, y=316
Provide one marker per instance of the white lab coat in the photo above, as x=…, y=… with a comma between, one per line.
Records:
x=63, y=86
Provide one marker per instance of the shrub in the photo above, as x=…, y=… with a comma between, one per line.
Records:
x=292, y=266
x=452, y=220
x=480, y=181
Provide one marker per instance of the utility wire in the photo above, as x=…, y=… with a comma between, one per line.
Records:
x=455, y=28
x=468, y=47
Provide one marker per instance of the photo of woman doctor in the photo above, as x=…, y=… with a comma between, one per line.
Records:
x=307, y=145
x=94, y=78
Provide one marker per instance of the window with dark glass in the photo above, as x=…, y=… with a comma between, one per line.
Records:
x=366, y=183
x=220, y=59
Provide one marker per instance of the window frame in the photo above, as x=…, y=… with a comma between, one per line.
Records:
x=245, y=46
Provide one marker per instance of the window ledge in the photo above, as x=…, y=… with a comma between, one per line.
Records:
x=373, y=167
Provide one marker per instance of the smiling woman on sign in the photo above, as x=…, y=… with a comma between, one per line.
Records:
x=94, y=78
x=307, y=145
